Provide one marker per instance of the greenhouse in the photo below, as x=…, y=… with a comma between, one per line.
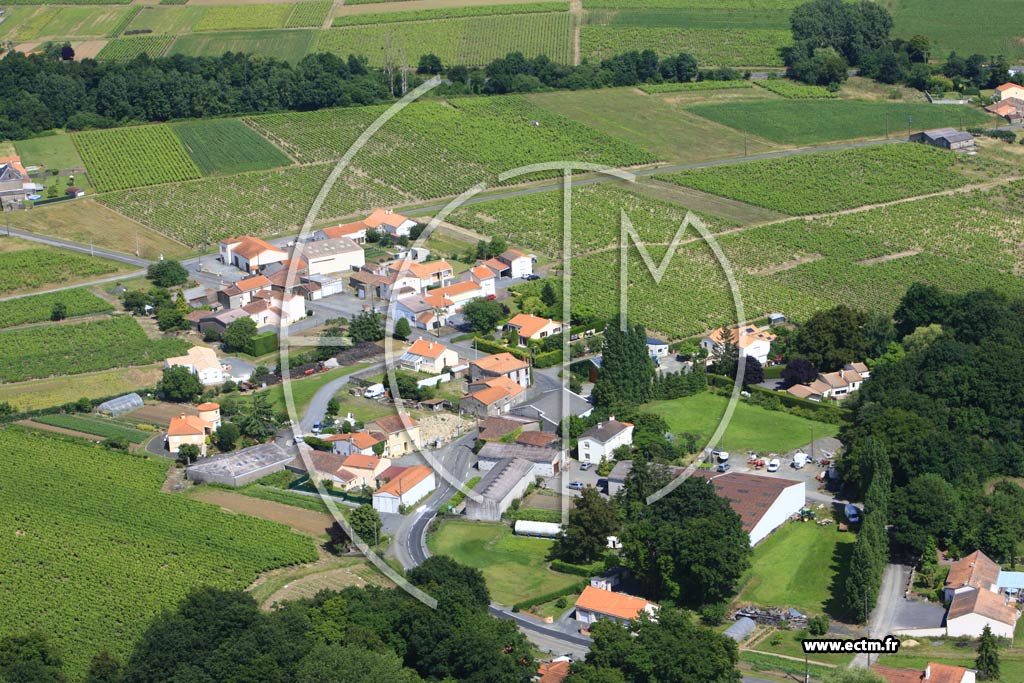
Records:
x=121, y=405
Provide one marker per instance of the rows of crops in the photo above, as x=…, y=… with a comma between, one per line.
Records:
x=242, y=17
x=469, y=41
x=306, y=14
x=718, y=47
x=97, y=426
x=101, y=551
x=32, y=27
x=166, y=20
x=127, y=49
x=223, y=146
x=75, y=22
x=259, y=203
x=28, y=269
x=120, y=158
x=432, y=150
x=70, y=349
x=32, y=309
x=658, y=88
x=692, y=4
x=447, y=13
x=68, y=2
x=290, y=46
x=796, y=91
x=831, y=181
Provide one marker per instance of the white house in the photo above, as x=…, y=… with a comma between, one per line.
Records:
x=750, y=341
x=360, y=443
x=1008, y=90
x=600, y=441
x=250, y=253
x=657, y=348
x=460, y=293
x=417, y=277
x=387, y=221
x=519, y=264
x=595, y=604
x=275, y=309
x=972, y=610
x=410, y=486
x=837, y=385
x=429, y=356
x=498, y=365
x=201, y=362
x=424, y=311
x=485, y=278
x=336, y=255
x=354, y=231
x=763, y=503
x=530, y=327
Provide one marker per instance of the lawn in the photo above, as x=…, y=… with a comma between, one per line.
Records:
x=290, y=46
x=99, y=426
x=50, y=151
x=655, y=124
x=45, y=393
x=303, y=389
x=87, y=222
x=514, y=567
x=801, y=565
x=228, y=146
x=808, y=122
x=751, y=428
x=980, y=26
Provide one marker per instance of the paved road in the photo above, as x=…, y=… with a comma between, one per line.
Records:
x=75, y=246
x=318, y=405
x=100, y=281
x=891, y=596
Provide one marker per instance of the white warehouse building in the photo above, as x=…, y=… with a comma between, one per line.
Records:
x=763, y=503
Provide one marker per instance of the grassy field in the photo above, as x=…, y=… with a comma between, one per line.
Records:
x=832, y=181
x=88, y=222
x=40, y=307
x=975, y=27
x=88, y=22
x=50, y=152
x=514, y=567
x=122, y=158
x=751, y=428
x=81, y=578
x=99, y=426
x=808, y=122
x=290, y=46
x=800, y=565
x=711, y=46
x=656, y=124
x=242, y=17
x=303, y=389
x=471, y=40
x=25, y=267
x=225, y=146
x=45, y=393
x=166, y=20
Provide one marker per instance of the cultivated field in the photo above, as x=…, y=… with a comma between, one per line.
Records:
x=127, y=49
x=808, y=122
x=39, y=308
x=977, y=27
x=166, y=20
x=711, y=46
x=24, y=268
x=87, y=22
x=120, y=158
x=102, y=427
x=68, y=349
x=831, y=181
x=224, y=146
x=793, y=90
x=45, y=393
x=447, y=13
x=81, y=578
x=242, y=17
x=693, y=86
x=290, y=46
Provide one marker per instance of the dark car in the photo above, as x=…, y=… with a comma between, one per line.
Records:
x=723, y=467
x=531, y=276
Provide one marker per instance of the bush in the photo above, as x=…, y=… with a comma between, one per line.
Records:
x=561, y=603
x=262, y=344
x=548, y=597
x=713, y=615
x=818, y=626
x=491, y=346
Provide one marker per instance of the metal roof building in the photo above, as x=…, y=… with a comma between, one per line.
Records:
x=121, y=405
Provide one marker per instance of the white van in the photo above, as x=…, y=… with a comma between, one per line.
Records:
x=800, y=459
x=373, y=391
x=722, y=456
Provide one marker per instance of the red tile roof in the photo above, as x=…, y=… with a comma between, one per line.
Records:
x=537, y=438
x=500, y=363
x=553, y=672
x=393, y=424
x=975, y=570
x=613, y=604
x=530, y=325
x=984, y=602
x=406, y=479
x=358, y=461
x=427, y=349
x=748, y=494
x=188, y=425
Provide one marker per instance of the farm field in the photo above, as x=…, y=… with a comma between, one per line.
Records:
x=121, y=158
x=752, y=428
x=82, y=579
x=31, y=27
x=225, y=146
x=166, y=20
x=796, y=566
x=242, y=17
x=693, y=86
x=88, y=22
x=658, y=125
x=88, y=222
x=50, y=152
x=68, y=349
x=711, y=46
x=39, y=308
x=24, y=268
x=14, y=18
x=447, y=13
x=968, y=28
x=515, y=567
x=470, y=41
x=535, y=221
x=808, y=122
x=832, y=181
x=98, y=426
x=127, y=49
x=290, y=46
x=45, y=393
x=792, y=90
x=709, y=17
x=308, y=14
x=690, y=4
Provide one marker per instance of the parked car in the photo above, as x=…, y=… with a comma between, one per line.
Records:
x=576, y=485
x=317, y=428
x=531, y=276
x=374, y=391
x=586, y=466
x=722, y=456
x=773, y=465
x=723, y=467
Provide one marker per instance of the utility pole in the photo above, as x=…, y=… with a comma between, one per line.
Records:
x=886, y=125
x=744, y=142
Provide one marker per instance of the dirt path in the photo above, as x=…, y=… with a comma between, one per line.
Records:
x=304, y=521
x=889, y=257
x=576, y=14
x=787, y=265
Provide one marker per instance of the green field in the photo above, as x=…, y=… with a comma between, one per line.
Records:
x=694, y=86
x=693, y=4
x=694, y=17
x=31, y=27
x=56, y=391
x=308, y=14
x=794, y=90
x=711, y=46
x=78, y=518
x=221, y=147
x=31, y=268
x=97, y=426
x=751, y=429
x=469, y=41
x=127, y=49
x=800, y=565
x=84, y=347
x=50, y=151
x=515, y=567
x=808, y=122
x=242, y=17
x=304, y=388
x=121, y=158
x=364, y=18
x=662, y=127
x=38, y=308
x=290, y=46
x=831, y=181
x=14, y=18
x=166, y=20
x=978, y=27
x=88, y=22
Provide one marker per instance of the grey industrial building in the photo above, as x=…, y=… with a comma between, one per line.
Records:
x=241, y=467
x=503, y=483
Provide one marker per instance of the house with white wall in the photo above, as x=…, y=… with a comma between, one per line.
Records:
x=763, y=503
x=250, y=253
x=599, y=442
x=407, y=488
x=429, y=356
x=749, y=340
x=202, y=362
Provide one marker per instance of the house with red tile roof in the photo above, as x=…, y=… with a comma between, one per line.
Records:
x=749, y=339
x=15, y=183
x=354, y=231
x=401, y=431
x=389, y=222
x=555, y=671
x=188, y=429
x=410, y=486
x=530, y=327
x=428, y=356
x=932, y=673
x=491, y=397
x=250, y=253
x=595, y=604
x=484, y=277
x=972, y=571
x=972, y=610
x=357, y=442
x=1007, y=90
x=500, y=365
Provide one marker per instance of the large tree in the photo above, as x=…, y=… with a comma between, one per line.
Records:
x=178, y=384
x=833, y=337
x=626, y=368
x=483, y=315
x=239, y=334
x=689, y=547
x=366, y=523
x=368, y=326
x=987, y=661
x=167, y=273
x=592, y=519
x=449, y=581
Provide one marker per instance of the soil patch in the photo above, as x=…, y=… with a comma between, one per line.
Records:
x=304, y=521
